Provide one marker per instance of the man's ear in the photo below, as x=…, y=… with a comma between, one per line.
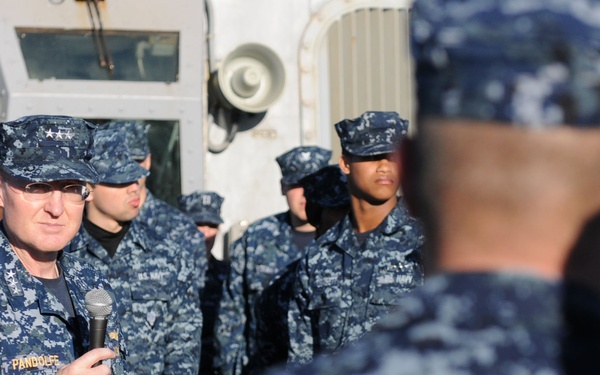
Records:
x=284, y=188
x=344, y=164
x=1, y=192
x=147, y=162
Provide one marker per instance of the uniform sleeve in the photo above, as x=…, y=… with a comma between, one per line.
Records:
x=184, y=339
x=231, y=318
x=195, y=243
x=301, y=345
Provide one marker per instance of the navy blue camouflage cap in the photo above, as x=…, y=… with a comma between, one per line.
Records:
x=202, y=206
x=300, y=161
x=44, y=148
x=112, y=159
x=327, y=187
x=373, y=133
x=136, y=134
x=533, y=64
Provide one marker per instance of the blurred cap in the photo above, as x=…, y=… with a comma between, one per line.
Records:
x=45, y=148
x=202, y=207
x=533, y=64
x=300, y=161
x=136, y=135
x=112, y=159
x=373, y=133
x=327, y=187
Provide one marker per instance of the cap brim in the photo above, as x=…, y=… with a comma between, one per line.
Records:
x=210, y=219
x=125, y=177
x=372, y=150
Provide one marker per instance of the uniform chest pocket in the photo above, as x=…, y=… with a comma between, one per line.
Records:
x=149, y=302
x=328, y=317
x=325, y=297
x=153, y=286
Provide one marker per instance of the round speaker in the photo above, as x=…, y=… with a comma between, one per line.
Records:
x=251, y=78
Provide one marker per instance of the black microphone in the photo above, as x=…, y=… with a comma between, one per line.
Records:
x=98, y=303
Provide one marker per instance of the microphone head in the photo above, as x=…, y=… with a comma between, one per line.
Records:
x=98, y=303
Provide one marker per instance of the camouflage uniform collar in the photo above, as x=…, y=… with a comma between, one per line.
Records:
x=142, y=235
x=339, y=234
x=23, y=290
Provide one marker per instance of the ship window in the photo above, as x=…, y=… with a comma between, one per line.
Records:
x=111, y=55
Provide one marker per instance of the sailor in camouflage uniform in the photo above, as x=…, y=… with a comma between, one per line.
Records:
x=204, y=207
x=165, y=219
x=327, y=202
x=266, y=247
x=485, y=183
x=357, y=271
x=45, y=324
x=154, y=284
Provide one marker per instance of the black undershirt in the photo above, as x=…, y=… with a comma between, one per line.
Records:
x=301, y=239
x=362, y=237
x=109, y=241
x=58, y=287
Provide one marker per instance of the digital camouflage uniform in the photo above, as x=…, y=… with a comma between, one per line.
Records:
x=260, y=254
x=205, y=207
x=157, y=301
x=210, y=299
x=158, y=297
x=36, y=331
x=327, y=188
x=37, y=335
x=343, y=289
x=476, y=323
x=272, y=331
x=169, y=222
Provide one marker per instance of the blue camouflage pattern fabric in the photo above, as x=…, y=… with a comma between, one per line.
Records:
x=136, y=134
x=301, y=161
x=327, y=187
x=531, y=64
x=472, y=323
x=210, y=299
x=372, y=133
x=170, y=223
x=112, y=159
x=158, y=302
x=37, y=335
x=46, y=148
x=265, y=248
x=202, y=206
x=342, y=289
x=205, y=207
x=271, y=310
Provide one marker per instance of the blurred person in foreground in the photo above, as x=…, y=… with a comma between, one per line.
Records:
x=44, y=184
x=504, y=172
x=204, y=207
